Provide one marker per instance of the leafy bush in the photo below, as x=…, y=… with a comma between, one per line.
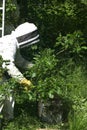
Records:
x=64, y=77
x=42, y=74
x=73, y=43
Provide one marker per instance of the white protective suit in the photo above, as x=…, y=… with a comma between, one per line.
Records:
x=24, y=35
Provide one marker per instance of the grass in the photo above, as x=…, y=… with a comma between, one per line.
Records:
x=26, y=119
x=25, y=122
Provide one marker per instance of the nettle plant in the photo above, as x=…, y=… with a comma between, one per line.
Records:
x=43, y=75
x=72, y=43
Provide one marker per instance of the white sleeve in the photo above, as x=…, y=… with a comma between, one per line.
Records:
x=9, y=52
x=13, y=71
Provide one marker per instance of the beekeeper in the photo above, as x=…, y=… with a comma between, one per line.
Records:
x=24, y=35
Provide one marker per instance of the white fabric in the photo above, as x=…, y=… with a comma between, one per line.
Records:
x=9, y=47
x=24, y=29
x=8, y=108
x=9, y=50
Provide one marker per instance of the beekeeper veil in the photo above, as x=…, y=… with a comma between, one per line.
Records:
x=26, y=34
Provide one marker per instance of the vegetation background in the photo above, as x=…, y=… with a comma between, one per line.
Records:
x=60, y=60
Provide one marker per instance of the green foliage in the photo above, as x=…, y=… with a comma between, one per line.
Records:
x=6, y=85
x=71, y=43
x=42, y=74
x=62, y=69
x=54, y=17
x=23, y=122
x=63, y=77
x=26, y=119
x=78, y=120
x=11, y=13
x=1, y=70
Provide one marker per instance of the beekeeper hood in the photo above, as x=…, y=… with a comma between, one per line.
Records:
x=26, y=34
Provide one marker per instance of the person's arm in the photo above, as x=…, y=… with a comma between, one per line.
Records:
x=8, y=55
x=13, y=71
